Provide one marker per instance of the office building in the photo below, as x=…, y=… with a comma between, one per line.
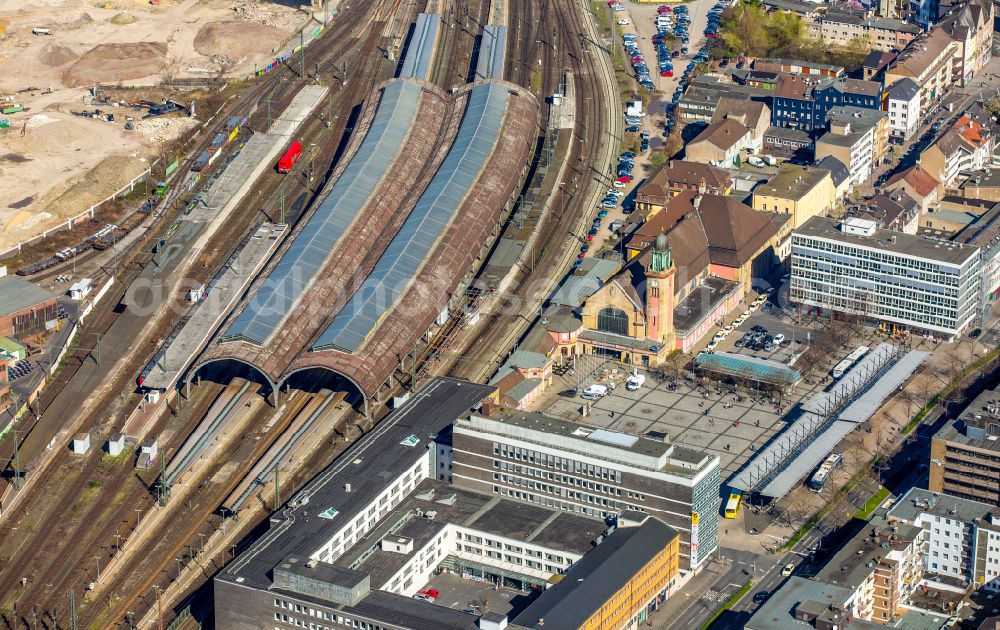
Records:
x=574, y=468
x=613, y=586
x=352, y=547
x=962, y=537
x=904, y=281
x=965, y=452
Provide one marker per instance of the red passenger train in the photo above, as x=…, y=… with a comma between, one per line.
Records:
x=290, y=157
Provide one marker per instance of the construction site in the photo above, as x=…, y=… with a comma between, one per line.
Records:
x=184, y=416
x=74, y=130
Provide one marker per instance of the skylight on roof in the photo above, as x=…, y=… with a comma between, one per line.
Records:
x=613, y=437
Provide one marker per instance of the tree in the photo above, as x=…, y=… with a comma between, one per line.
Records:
x=993, y=106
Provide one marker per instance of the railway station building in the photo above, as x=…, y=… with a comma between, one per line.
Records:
x=413, y=207
x=689, y=265
x=352, y=547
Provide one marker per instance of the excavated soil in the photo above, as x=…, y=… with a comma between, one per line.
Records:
x=117, y=62
x=56, y=55
x=236, y=40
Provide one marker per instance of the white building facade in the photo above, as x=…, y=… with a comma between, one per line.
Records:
x=902, y=280
x=903, y=106
x=961, y=536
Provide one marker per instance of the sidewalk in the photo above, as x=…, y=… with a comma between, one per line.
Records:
x=688, y=595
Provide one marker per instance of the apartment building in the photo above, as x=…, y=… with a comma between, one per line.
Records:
x=930, y=61
x=801, y=191
x=924, y=13
x=858, y=138
x=966, y=147
x=965, y=453
x=903, y=106
x=961, y=536
x=754, y=115
x=720, y=144
x=840, y=27
x=802, y=102
x=881, y=565
x=579, y=469
x=904, y=281
x=970, y=26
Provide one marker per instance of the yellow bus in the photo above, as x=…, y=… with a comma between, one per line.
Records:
x=733, y=505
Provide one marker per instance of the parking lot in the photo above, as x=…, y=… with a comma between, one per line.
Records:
x=460, y=593
x=700, y=414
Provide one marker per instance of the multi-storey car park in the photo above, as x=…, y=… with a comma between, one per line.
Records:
x=411, y=211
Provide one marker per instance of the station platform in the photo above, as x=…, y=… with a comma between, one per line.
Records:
x=206, y=316
x=259, y=153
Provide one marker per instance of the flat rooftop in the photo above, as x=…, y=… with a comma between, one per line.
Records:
x=221, y=295
x=487, y=513
x=702, y=300
x=890, y=241
x=18, y=295
x=596, y=577
x=792, y=182
x=858, y=557
x=615, y=446
x=367, y=466
x=919, y=501
x=978, y=426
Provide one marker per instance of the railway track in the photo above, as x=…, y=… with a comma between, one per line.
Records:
x=562, y=231
x=154, y=569
x=50, y=581
x=461, y=24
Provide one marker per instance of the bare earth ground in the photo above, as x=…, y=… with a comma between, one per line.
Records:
x=63, y=163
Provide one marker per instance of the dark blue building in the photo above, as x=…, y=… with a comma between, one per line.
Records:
x=803, y=102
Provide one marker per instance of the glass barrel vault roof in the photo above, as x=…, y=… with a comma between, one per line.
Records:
x=279, y=294
x=395, y=270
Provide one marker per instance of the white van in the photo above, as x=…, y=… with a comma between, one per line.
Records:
x=635, y=381
x=753, y=160
x=595, y=391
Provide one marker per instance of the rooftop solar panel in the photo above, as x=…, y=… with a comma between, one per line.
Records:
x=396, y=269
x=307, y=254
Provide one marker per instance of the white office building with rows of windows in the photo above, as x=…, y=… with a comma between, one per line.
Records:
x=904, y=281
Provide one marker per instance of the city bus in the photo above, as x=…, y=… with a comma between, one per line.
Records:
x=849, y=361
x=733, y=505
x=830, y=464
